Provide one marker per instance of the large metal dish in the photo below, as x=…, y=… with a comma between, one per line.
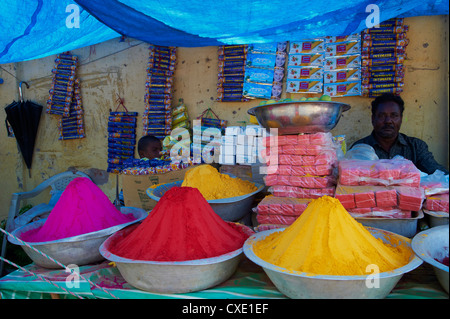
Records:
x=436, y=218
x=299, y=117
x=406, y=227
x=79, y=250
x=229, y=209
x=305, y=285
x=175, y=276
x=431, y=244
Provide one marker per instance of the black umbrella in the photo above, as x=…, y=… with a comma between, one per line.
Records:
x=24, y=119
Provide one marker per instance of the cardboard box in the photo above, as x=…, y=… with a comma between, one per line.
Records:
x=135, y=187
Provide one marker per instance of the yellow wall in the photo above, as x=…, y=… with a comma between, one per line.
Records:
x=119, y=68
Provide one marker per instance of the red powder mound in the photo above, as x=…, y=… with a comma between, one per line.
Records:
x=82, y=208
x=181, y=227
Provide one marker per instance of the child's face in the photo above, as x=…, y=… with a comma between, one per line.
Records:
x=153, y=150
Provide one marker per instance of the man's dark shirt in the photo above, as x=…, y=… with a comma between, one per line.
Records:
x=410, y=148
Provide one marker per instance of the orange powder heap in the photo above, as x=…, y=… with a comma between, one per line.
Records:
x=181, y=227
x=326, y=240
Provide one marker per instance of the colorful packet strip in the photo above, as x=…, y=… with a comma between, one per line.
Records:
x=387, y=29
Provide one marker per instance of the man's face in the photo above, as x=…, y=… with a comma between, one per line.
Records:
x=387, y=120
x=152, y=150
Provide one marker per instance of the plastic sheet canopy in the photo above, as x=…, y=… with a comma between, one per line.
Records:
x=31, y=29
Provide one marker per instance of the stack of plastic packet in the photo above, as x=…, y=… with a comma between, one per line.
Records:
x=121, y=139
x=232, y=60
x=298, y=167
x=273, y=212
x=264, y=70
x=157, y=117
x=436, y=188
x=383, y=53
x=388, y=188
x=385, y=172
x=72, y=126
x=342, y=66
x=305, y=66
x=62, y=88
x=380, y=201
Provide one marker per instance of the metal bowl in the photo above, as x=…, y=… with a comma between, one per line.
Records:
x=173, y=276
x=299, y=117
x=306, y=285
x=229, y=209
x=79, y=250
x=431, y=244
x=436, y=218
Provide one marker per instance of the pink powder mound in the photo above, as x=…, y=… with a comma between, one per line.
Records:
x=82, y=208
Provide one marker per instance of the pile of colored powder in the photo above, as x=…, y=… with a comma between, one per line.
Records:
x=214, y=185
x=181, y=227
x=326, y=240
x=82, y=208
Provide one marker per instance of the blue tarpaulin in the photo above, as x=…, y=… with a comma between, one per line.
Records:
x=31, y=29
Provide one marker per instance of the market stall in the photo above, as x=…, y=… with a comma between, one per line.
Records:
x=233, y=206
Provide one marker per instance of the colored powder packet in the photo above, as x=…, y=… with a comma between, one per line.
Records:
x=82, y=208
x=181, y=227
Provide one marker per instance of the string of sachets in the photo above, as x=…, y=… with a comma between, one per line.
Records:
x=157, y=116
x=65, y=97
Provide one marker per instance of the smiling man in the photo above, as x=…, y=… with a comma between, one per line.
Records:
x=387, y=115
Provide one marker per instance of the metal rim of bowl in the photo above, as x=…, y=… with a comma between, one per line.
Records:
x=141, y=214
x=251, y=111
x=151, y=193
x=248, y=251
x=416, y=247
x=104, y=251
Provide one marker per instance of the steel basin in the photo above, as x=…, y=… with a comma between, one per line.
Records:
x=176, y=276
x=305, y=285
x=229, y=209
x=430, y=244
x=78, y=250
x=299, y=117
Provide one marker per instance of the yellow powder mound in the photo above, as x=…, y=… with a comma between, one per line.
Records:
x=213, y=185
x=326, y=240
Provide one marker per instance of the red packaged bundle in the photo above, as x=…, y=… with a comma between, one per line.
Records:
x=284, y=180
x=291, y=139
x=379, y=213
x=284, y=170
x=299, y=192
x=347, y=200
x=285, y=159
x=437, y=203
x=312, y=181
x=319, y=192
x=386, y=197
x=321, y=138
x=303, y=138
x=365, y=199
x=271, y=179
x=399, y=172
x=273, y=205
x=410, y=198
x=299, y=170
x=276, y=219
